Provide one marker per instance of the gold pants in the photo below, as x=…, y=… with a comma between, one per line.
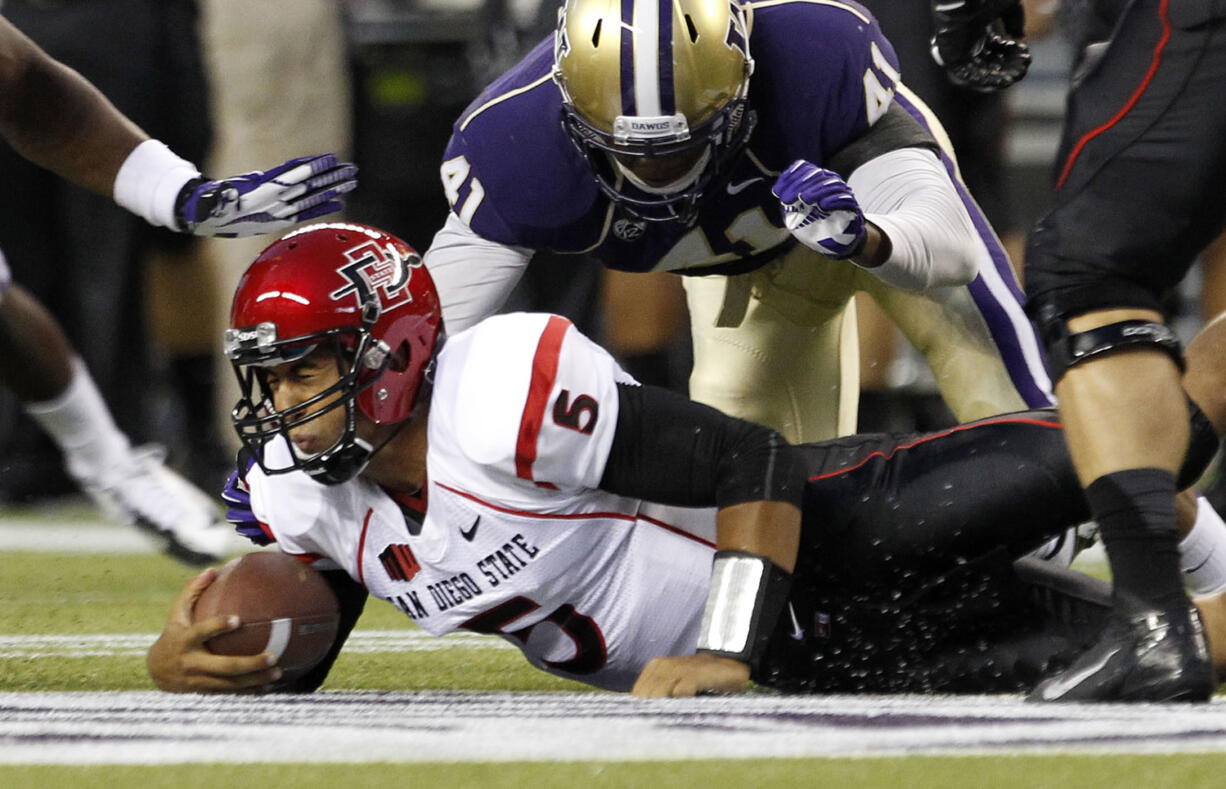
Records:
x=778, y=345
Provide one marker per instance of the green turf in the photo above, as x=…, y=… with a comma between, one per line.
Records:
x=71, y=593
x=75, y=593
x=78, y=593
x=996, y=772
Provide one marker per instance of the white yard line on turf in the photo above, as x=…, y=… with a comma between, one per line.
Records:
x=39, y=535
x=24, y=647
x=155, y=728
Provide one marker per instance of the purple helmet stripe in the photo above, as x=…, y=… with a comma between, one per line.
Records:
x=668, y=99
x=629, y=106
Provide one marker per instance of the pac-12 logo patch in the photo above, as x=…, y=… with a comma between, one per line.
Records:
x=375, y=270
x=628, y=229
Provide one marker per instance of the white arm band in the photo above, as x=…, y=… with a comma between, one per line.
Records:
x=746, y=597
x=909, y=196
x=731, y=601
x=473, y=276
x=149, y=181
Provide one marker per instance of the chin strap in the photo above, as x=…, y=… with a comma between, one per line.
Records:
x=352, y=459
x=683, y=182
x=342, y=465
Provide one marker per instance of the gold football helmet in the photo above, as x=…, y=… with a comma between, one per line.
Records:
x=655, y=78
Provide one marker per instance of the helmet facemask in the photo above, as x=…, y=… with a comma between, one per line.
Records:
x=360, y=361
x=721, y=139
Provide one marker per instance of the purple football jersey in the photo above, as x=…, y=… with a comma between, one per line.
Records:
x=823, y=73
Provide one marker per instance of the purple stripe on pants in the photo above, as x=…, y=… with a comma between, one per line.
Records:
x=1003, y=329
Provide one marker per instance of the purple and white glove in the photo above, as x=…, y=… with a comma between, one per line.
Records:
x=820, y=210
x=265, y=201
x=237, y=497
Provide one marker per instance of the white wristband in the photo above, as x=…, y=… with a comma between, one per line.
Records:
x=732, y=600
x=150, y=180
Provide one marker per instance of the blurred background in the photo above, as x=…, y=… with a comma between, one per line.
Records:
x=235, y=85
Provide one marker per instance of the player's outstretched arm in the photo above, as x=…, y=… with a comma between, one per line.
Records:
x=251, y=204
x=674, y=451
x=756, y=549
x=54, y=117
x=179, y=662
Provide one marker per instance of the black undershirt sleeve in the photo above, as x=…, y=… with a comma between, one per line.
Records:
x=894, y=130
x=671, y=450
x=352, y=599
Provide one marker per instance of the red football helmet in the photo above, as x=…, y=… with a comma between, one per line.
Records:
x=363, y=291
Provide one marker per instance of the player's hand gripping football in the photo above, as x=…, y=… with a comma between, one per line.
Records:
x=820, y=210
x=179, y=662
x=689, y=675
x=265, y=201
x=980, y=43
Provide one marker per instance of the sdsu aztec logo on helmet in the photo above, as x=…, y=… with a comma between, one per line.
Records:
x=357, y=290
x=655, y=78
x=377, y=270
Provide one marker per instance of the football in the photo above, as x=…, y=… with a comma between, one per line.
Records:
x=285, y=607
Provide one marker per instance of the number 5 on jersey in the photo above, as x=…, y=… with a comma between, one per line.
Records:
x=455, y=173
x=579, y=414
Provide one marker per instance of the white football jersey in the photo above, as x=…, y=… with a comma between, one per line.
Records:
x=516, y=539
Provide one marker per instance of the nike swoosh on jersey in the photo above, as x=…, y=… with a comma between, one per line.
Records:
x=742, y=186
x=471, y=532
x=1069, y=681
x=1202, y=564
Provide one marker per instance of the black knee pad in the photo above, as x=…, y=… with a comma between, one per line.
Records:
x=1065, y=349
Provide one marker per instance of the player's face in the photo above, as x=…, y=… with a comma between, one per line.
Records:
x=661, y=171
x=294, y=383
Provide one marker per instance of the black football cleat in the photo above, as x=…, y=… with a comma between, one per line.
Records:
x=1155, y=656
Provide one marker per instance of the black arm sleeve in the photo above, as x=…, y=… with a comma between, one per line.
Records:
x=671, y=450
x=894, y=130
x=352, y=598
